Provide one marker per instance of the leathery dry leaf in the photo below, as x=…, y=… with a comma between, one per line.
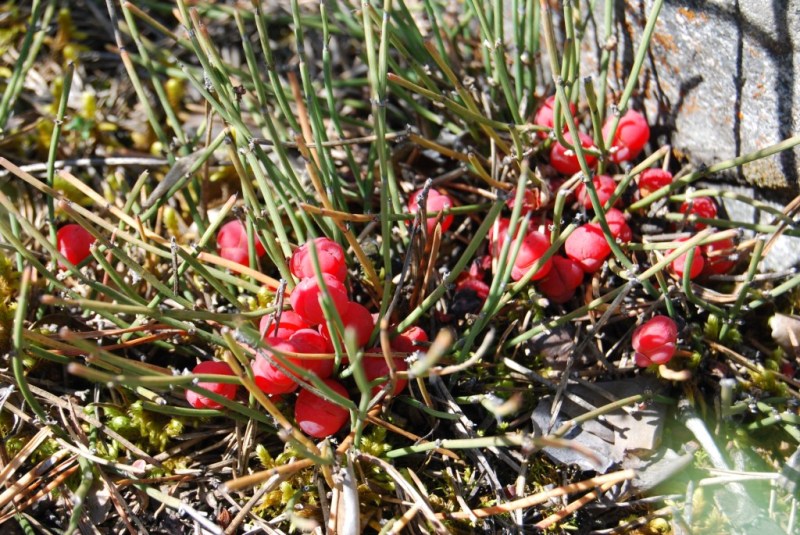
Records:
x=99, y=504
x=786, y=331
x=627, y=431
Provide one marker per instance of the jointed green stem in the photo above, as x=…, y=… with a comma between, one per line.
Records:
x=53, y=153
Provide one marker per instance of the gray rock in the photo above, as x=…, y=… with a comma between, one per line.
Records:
x=785, y=252
x=721, y=79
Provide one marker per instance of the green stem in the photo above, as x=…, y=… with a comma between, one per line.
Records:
x=633, y=77
x=79, y=499
x=462, y=262
x=53, y=152
x=751, y=272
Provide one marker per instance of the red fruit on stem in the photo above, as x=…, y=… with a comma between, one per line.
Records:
x=308, y=341
x=318, y=417
x=305, y=298
x=329, y=347
x=698, y=262
x=356, y=317
x=655, y=342
x=653, y=179
x=480, y=288
x=228, y=390
x=559, y=285
x=267, y=376
x=407, y=341
x=604, y=185
x=700, y=207
x=720, y=257
x=375, y=367
x=311, y=341
x=631, y=136
x=565, y=161
x=281, y=332
x=290, y=322
x=533, y=247
x=331, y=259
x=619, y=225
x=436, y=203
x=588, y=247
x=232, y=243
x=74, y=243
x=544, y=117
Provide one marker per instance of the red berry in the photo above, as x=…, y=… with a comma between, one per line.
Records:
x=73, y=243
x=559, y=285
x=228, y=390
x=290, y=322
x=311, y=341
x=305, y=298
x=588, y=247
x=618, y=225
x=436, y=203
x=477, y=286
x=375, y=367
x=267, y=376
x=700, y=207
x=679, y=264
x=267, y=368
x=653, y=179
x=318, y=417
x=308, y=341
x=720, y=257
x=356, y=317
x=567, y=162
x=329, y=348
x=407, y=341
x=655, y=342
x=603, y=184
x=544, y=117
x=533, y=247
x=330, y=255
x=631, y=136
x=232, y=243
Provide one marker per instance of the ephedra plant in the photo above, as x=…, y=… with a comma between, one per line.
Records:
x=370, y=241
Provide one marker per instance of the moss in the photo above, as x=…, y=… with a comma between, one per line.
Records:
x=9, y=288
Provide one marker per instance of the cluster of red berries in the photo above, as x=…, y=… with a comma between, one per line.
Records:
x=303, y=330
x=711, y=259
x=629, y=140
x=586, y=249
